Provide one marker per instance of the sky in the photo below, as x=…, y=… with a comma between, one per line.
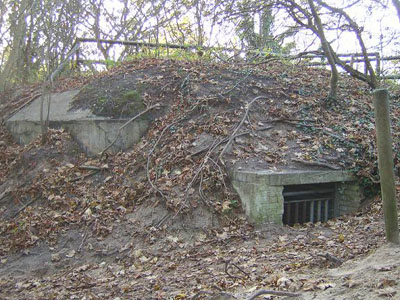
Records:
x=381, y=32
x=380, y=22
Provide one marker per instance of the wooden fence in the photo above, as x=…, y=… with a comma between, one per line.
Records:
x=308, y=58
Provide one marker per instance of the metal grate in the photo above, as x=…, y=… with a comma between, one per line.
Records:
x=308, y=203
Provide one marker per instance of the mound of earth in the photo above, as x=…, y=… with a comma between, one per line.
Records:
x=161, y=221
x=373, y=277
x=290, y=126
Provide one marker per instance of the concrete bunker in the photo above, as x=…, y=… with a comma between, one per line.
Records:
x=291, y=197
x=92, y=133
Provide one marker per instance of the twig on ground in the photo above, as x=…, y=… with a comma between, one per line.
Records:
x=149, y=158
x=227, y=139
x=293, y=122
x=94, y=168
x=300, y=124
x=83, y=240
x=220, y=295
x=238, y=126
x=162, y=220
x=316, y=163
x=240, y=269
x=198, y=172
x=5, y=193
x=167, y=215
x=200, y=293
x=25, y=206
x=201, y=190
x=338, y=138
x=210, y=149
x=220, y=171
x=126, y=124
x=271, y=292
x=227, y=263
x=337, y=261
x=85, y=176
x=242, y=79
x=82, y=286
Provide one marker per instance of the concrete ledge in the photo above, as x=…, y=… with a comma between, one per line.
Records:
x=291, y=177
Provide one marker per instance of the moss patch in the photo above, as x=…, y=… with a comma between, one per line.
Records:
x=112, y=97
x=126, y=103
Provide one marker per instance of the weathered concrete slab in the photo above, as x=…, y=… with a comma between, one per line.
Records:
x=93, y=133
x=291, y=177
x=59, y=109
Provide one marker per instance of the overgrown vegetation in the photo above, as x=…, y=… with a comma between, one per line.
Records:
x=33, y=45
x=126, y=103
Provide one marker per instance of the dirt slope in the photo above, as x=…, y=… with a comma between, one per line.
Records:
x=161, y=221
x=373, y=277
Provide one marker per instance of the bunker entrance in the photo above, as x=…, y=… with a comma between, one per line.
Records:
x=308, y=203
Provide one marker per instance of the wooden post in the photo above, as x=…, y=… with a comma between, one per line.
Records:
x=77, y=59
x=378, y=64
x=385, y=163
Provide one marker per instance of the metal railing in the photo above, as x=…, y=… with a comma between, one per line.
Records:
x=305, y=203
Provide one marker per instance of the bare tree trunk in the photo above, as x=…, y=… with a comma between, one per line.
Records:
x=13, y=68
x=327, y=50
x=368, y=69
x=98, y=37
x=47, y=86
x=199, y=7
x=396, y=4
x=44, y=120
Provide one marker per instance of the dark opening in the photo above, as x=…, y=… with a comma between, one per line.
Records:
x=308, y=203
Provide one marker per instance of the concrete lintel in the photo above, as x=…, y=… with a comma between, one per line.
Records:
x=291, y=177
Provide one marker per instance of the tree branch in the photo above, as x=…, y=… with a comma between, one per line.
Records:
x=271, y=292
x=239, y=125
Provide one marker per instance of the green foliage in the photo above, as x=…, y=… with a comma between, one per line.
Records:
x=287, y=48
x=132, y=96
x=102, y=101
x=111, y=63
x=182, y=32
x=176, y=54
x=369, y=187
x=235, y=203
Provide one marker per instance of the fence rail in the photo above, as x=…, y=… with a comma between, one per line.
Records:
x=308, y=58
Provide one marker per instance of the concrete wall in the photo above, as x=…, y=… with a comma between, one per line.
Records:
x=262, y=203
x=93, y=135
x=348, y=197
x=261, y=191
x=24, y=132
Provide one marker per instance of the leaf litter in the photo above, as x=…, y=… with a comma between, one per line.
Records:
x=161, y=221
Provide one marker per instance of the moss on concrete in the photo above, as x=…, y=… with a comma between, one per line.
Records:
x=122, y=104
